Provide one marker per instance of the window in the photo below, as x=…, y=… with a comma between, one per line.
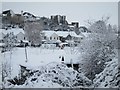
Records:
x=44, y=37
x=50, y=38
x=45, y=23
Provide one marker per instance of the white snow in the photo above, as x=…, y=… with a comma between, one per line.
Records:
x=46, y=61
x=40, y=56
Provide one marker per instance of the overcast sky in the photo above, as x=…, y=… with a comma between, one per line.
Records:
x=75, y=11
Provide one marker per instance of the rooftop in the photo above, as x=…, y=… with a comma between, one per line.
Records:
x=62, y=33
x=15, y=31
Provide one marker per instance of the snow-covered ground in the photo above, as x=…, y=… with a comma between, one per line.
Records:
x=39, y=57
x=49, y=60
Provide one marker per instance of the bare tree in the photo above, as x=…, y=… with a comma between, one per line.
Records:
x=9, y=41
x=33, y=32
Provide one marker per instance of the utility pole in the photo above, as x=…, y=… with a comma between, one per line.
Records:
x=26, y=53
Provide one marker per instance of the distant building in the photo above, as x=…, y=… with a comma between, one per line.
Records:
x=28, y=16
x=21, y=37
x=51, y=37
x=9, y=17
x=76, y=24
x=17, y=19
x=8, y=13
x=58, y=19
x=6, y=16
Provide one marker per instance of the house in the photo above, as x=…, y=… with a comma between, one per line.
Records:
x=28, y=16
x=19, y=33
x=9, y=17
x=17, y=19
x=51, y=37
x=21, y=36
x=62, y=36
x=76, y=24
x=8, y=13
x=6, y=17
x=73, y=26
x=54, y=37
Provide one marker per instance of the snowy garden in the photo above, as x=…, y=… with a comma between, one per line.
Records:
x=35, y=67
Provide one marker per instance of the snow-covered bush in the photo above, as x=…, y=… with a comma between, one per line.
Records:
x=50, y=75
x=110, y=76
x=6, y=69
x=97, y=49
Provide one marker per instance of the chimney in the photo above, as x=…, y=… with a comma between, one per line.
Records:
x=22, y=13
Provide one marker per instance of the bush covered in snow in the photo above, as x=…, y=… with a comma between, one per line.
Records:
x=97, y=49
x=110, y=76
x=51, y=75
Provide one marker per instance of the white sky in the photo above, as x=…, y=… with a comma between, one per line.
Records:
x=75, y=11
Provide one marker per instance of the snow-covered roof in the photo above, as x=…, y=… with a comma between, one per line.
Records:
x=61, y=33
x=48, y=33
x=15, y=31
